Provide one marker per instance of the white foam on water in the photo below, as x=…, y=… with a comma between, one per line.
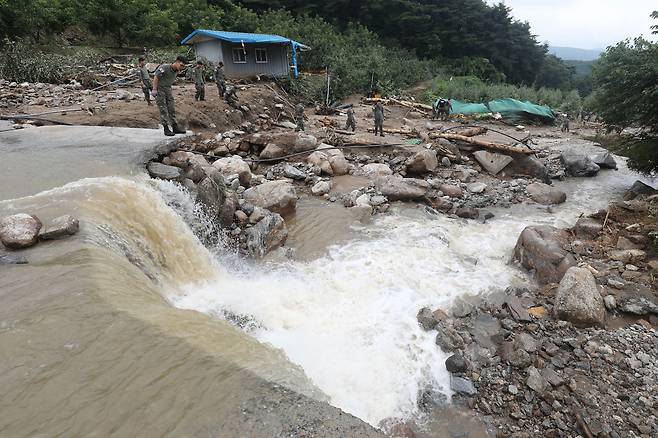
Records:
x=349, y=319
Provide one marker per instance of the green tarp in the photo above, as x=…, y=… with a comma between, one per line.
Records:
x=510, y=109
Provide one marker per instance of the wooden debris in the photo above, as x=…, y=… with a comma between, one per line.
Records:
x=397, y=131
x=487, y=144
x=420, y=107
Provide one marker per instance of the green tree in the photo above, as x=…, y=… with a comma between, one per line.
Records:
x=554, y=73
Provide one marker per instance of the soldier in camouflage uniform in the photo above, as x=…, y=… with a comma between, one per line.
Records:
x=165, y=76
x=378, y=113
x=299, y=117
x=351, y=121
x=220, y=79
x=231, y=97
x=199, y=82
x=145, y=79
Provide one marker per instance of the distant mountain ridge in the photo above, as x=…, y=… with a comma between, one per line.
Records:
x=575, y=54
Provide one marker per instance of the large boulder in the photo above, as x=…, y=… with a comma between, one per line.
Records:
x=60, y=228
x=604, y=160
x=234, y=165
x=277, y=196
x=579, y=165
x=288, y=143
x=544, y=194
x=19, y=231
x=639, y=189
x=267, y=235
x=422, y=162
x=578, y=300
x=219, y=203
x=331, y=161
x=491, y=161
x=529, y=166
x=374, y=170
x=402, y=189
x=542, y=248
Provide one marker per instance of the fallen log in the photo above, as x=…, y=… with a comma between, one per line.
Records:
x=488, y=145
x=420, y=107
x=342, y=132
x=396, y=131
x=466, y=132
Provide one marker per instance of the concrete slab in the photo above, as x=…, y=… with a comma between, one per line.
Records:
x=492, y=162
x=38, y=159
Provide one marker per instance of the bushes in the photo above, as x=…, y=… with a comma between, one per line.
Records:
x=472, y=89
x=22, y=63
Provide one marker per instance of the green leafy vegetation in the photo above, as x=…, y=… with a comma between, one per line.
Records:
x=626, y=96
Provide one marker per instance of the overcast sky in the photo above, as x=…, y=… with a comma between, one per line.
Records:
x=586, y=24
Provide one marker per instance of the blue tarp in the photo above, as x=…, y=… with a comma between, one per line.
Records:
x=240, y=37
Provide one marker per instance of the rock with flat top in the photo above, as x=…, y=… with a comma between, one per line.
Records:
x=19, y=231
x=587, y=228
x=542, y=248
x=377, y=169
x=286, y=144
x=491, y=161
x=163, y=171
x=544, y=194
x=277, y=196
x=604, y=160
x=402, y=189
x=59, y=228
x=578, y=300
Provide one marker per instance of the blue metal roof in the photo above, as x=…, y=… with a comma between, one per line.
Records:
x=240, y=37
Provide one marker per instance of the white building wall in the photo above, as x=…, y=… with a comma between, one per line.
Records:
x=210, y=50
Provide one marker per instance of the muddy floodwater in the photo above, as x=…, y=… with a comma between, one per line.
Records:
x=133, y=328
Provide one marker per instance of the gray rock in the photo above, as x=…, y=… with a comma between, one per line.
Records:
x=512, y=389
x=492, y=162
x=12, y=259
x=377, y=170
x=277, y=196
x=422, y=162
x=211, y=192
x=527, y=165
x=579, y=165
x=451, y=191
x=542, y=248
x=402, y=189
x=468, y=212
x=616, y=282
x=234, y=165
x=293, y=173
x=461, y=309
x=552, y=377
x=544, y=194
x=321, y=188
x=426, y=319
x=628, y=255
x=639, y=189
x=284, y=144
x=163, y=171
x=578, y=300
x=535, y=380
x=445, y=162
x=610, y=302
x=604, y=160
x=462, y=386
x=456, y=364
x=476, y=187
x=519, y=358
x=19, y=231
x=637, y=306
x=526, y=342
x=587, y=228
x=267, y=235
x=60, y=228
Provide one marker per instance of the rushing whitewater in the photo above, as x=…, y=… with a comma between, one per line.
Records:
x=348, y=318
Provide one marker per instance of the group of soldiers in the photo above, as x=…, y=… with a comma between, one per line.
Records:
x=165, y=76
x=160, y=89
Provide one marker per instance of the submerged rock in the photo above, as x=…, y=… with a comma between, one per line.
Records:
x=19, y=231
x=60, y=228
x=578, y=300
x=542, y=248
x=12, y=259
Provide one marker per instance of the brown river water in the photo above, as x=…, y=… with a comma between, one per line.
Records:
x=133, y=328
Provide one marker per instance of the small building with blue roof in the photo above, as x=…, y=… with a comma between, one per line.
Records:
x=247, y=54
